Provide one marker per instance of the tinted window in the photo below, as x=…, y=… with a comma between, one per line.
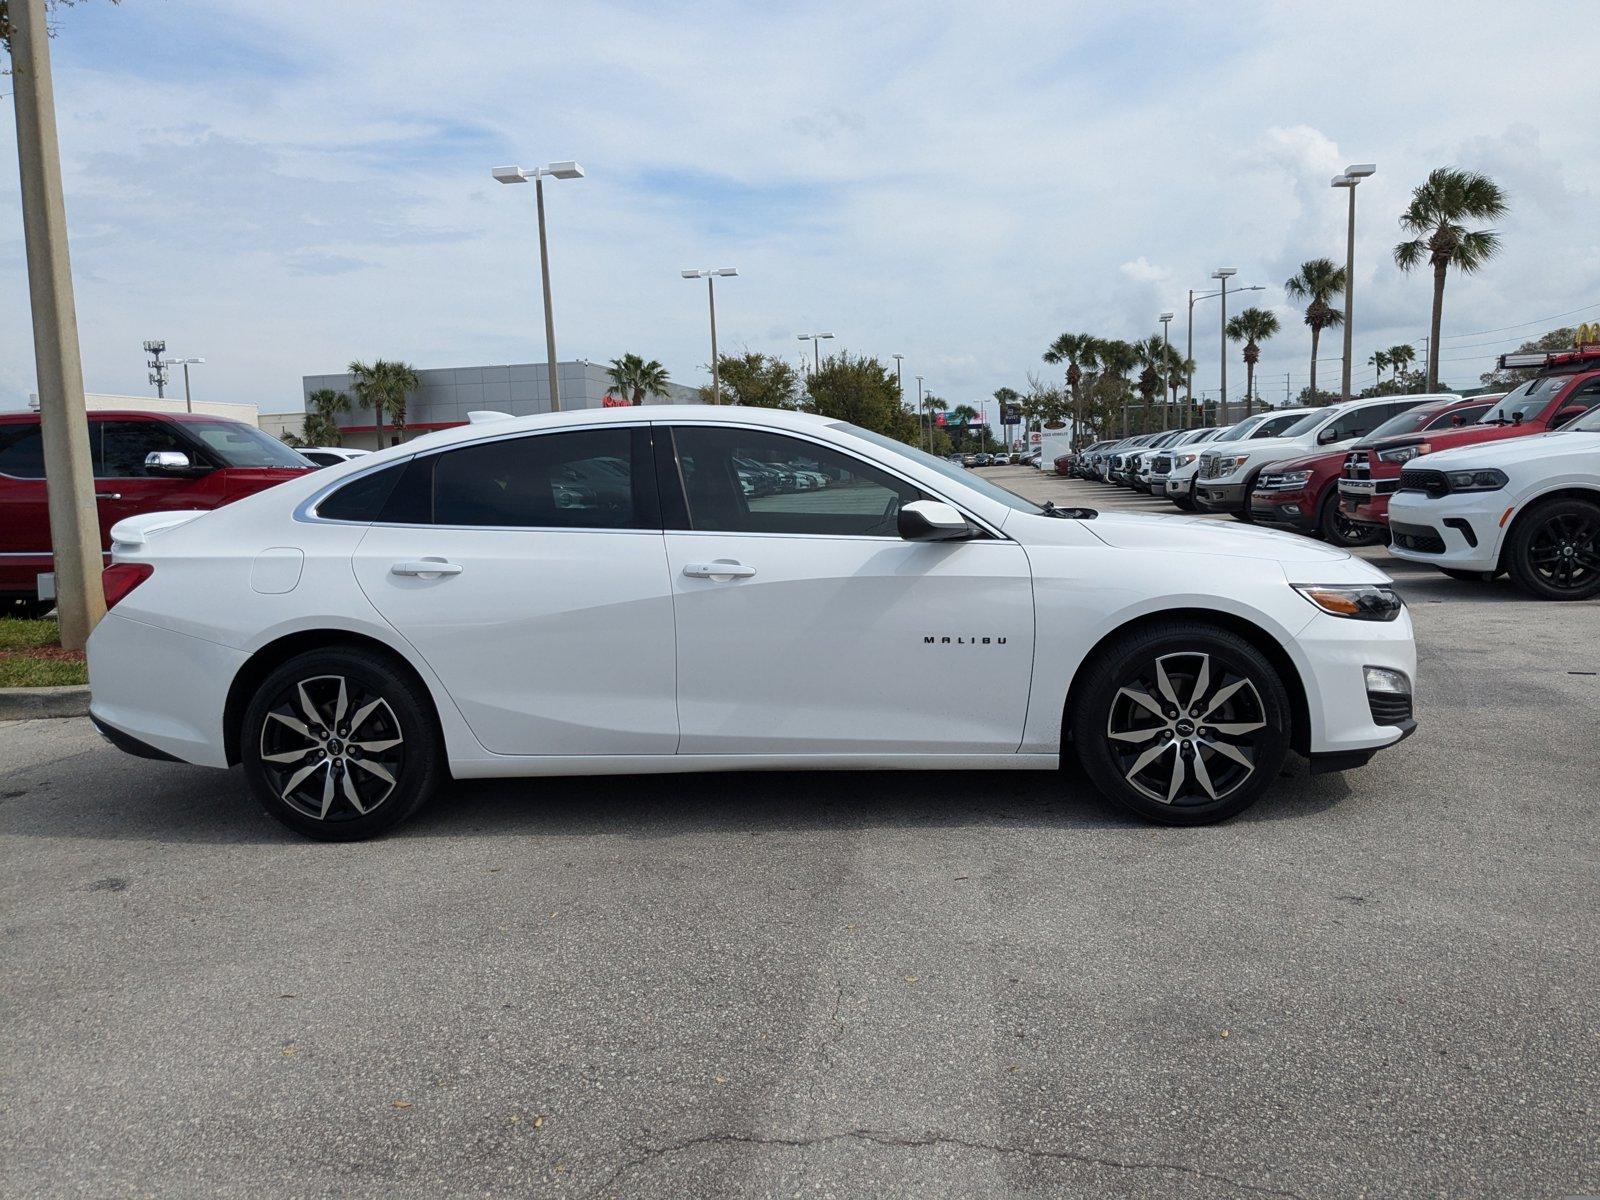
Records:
x=751, y=481
x=1586, y=398
x=362, y=499
x=124, y=445
x=1284, y=426
x=240, y=445
x=1458, y=416
x=584, y=479
x=22, y=451
x=1359, y=422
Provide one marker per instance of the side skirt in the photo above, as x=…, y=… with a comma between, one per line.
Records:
x=512, y=766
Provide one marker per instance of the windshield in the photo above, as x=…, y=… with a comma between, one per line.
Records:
x=243, y=445
x=1409, y=421
x=1526, y=401
x=1242, y=430
x=934, y=463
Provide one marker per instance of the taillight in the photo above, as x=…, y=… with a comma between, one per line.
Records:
x=121, y=578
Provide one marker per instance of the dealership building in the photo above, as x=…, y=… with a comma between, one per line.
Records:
x=448, y=394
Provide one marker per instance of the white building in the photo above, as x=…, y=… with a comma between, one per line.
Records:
x=108, y=402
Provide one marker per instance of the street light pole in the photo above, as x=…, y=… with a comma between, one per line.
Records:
x=816, y=340
x=188, y=405
x=710, y=277
x=560, y=170
x=1166, y=355
x=69, y=475
x=922, y=430
x=1353, y=175
x=1224, y=274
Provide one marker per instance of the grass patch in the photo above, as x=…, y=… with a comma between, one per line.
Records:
x=31, y=656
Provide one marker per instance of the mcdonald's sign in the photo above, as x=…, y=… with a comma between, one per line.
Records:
x=1588, y=335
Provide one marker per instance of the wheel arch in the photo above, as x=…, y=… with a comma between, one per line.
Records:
x=273, y=654
x=1264, y=641
x=1532, y=505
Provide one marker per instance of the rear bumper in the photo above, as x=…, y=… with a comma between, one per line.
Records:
x=1221, y=497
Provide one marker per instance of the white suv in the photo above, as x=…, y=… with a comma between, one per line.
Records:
x=1185, y=462
x=1226, y=474
x=1528, y=505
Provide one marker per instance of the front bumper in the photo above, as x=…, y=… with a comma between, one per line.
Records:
x=1285, y=510
x=1365, y=500
x=1221, y=497
x=1345, y=719
x=1462, y=532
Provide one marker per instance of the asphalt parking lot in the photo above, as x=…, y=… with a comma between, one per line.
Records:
x=1382, y=983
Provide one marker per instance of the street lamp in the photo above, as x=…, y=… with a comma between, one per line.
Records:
x=922, y=430
x=559, y=170
x=710, y=277
x=898, y=385
x=816, y=340
x=1224, y=274
x=1166, y=354
x=185, y=363
x=1353, y=175
x=1188, y=390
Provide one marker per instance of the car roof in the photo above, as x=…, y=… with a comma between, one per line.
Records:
x=124, y=414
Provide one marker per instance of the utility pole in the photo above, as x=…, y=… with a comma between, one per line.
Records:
x=1286, y=389
x=69, y=475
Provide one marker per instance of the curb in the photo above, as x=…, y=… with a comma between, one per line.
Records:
x=30, y=704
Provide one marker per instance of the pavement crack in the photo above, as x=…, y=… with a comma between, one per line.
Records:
x=915, y=1141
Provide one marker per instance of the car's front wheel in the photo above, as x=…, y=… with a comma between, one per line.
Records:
x=1183, y=723
x=341, y=744
x=1339, y=530
x=1554, y=552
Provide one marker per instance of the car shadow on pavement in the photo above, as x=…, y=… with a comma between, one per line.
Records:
x=175, y=803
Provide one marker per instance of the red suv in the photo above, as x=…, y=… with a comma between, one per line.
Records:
x=143, y=462
x=1567, y=386
x=1303, y=494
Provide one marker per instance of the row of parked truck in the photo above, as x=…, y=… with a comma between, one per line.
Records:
x=1475, y=486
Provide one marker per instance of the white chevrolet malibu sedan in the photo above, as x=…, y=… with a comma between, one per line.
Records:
x=651, y=589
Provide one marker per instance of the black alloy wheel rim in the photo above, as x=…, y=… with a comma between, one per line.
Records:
x=331, y=749
x=1186, y=729
x=1564, y=551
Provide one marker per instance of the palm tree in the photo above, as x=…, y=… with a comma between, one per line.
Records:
x=963, y=415
x=383, y=386
x=1252, y=327
x=636, y=378
x=1317, y=282
x=1401, y=357
x=1438, y=207
x=1077, y=350
x=1379, y=359
x=324, y=406
x=1153, y=358
x=1116, y=359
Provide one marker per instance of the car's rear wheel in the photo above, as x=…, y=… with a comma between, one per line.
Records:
x=1183, y=723
x=341, y=744
x=1339, y=530
x=1554, y=552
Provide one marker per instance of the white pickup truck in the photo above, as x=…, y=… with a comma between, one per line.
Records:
x=1226, y=474
x=1180, y=472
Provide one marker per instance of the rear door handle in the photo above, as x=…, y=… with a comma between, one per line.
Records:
x=426, y=568
x=723, y=568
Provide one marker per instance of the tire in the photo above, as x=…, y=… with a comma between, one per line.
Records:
x=29, y=609
x=1339, y=530
x=1554, y=550
x=340, y=789
x=1141, y=772
x=1185, y=501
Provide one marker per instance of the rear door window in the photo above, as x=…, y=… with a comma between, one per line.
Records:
x=22, y=451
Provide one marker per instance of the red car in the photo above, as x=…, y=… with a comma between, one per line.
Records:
x=1303, y=494
x=143, y=462
x=1567, y=386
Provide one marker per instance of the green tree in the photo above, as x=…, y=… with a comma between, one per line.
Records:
x=384, y=386
x=635, y=378
x=1252, y=327
x=756, y=381
x=863, y=392
x=1438, y=207
x=1317, y=282
x=323, y=408
x=1078, y=351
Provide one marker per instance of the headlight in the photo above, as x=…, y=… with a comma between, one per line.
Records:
x=1231, y=463
x=1476, y=481
x=1293, y=479
x=1183, y=460
x=1402, y=454
x=1358, y=601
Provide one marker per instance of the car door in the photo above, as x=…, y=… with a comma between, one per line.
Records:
x=529, y=571
x=24, y=508
x=806, y=625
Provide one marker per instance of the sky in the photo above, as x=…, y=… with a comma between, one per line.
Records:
x=281, y=188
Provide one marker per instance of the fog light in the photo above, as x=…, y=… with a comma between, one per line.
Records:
x=1292, y=509
x=1387, y=682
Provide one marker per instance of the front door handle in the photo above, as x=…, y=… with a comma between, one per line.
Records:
x=723, y=568
x=108, y=495
x=426, y=568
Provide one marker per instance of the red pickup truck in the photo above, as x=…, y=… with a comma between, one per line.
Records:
x=143, y=462
x=1567, y=386
x=1302, y=494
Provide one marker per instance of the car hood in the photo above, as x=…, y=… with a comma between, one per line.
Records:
x=1312, y=462
x=1200, y=535
x=1259, y=448
x=1510, y=451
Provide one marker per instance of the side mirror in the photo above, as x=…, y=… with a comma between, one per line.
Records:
x=1330, y=434
x=170, y=462
x=932, y=521
x=1516, y=418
